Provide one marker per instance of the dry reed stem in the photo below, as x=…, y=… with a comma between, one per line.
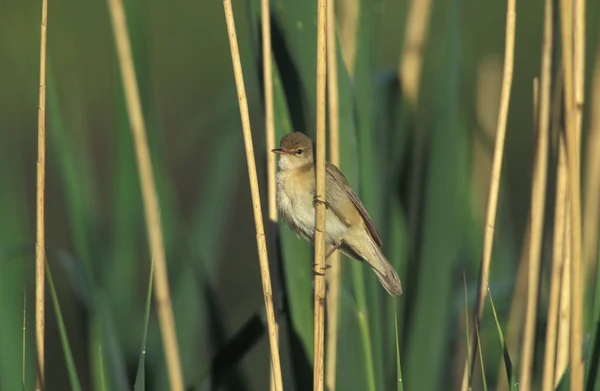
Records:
x=258, y=221
x=149, y=196
x=579, y=60
x=564, y=316
x=269, y=116
x=269, y=126
x=40, y=240
x=348, y=15
x=573, y=158
x=538, y=199
x=411, y=63
x=319, y=304
x=334, y=155
x=492, y=205
x=557, y=264
x=592, y=175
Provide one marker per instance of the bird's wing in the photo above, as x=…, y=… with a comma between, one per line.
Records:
x=338, y=177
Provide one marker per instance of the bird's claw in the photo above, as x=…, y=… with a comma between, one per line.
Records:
x=317, y=201
x=316, y=273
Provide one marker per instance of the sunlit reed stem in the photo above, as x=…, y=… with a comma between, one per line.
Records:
x=269, y=123
x=557, y=267
x=411, y=61
x=573, y=160
x=319, y=317
x=149, y=196
x=538, y=200
x=563, y=342
x=592, y=177
x=40, y=240
x=492, y=204
x=334, y=153
x=258, y=219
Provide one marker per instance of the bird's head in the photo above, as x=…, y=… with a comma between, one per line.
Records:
x=295, y=150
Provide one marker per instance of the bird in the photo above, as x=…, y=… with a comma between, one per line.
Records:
x=348, y=226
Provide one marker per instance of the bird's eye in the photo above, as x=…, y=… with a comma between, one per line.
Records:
x=299, y=152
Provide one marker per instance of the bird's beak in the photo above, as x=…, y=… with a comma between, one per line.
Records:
x=278, y=151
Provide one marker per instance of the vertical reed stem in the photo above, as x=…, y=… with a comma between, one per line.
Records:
x=149, y=196
x=538, y=199
x=492, y=205
x=573, y=158
x=411, y=62
x=319, y=304
x=592, y=176
x=40, y=240
x=269, y=125
x=334, y=153
x=258, y=219
x=557, y=266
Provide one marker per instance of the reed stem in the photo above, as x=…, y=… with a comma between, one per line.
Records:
x=492, y=205
x=254, y=190
x=319, y=303
x=334, y=155
x=40, y=239
x=149, y=195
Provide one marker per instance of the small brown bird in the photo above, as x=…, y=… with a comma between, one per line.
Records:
x=347, y=226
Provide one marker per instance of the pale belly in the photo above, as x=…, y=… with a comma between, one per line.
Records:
x=298, y=211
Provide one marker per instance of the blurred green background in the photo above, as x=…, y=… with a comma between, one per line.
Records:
x=430, y=209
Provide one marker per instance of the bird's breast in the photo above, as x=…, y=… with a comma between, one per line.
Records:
x=295, y=202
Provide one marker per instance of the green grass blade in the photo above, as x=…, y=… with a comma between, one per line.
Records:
x=510, y=372
x=140, y=378
x=24, y=342
x=400, y=385
x=360, y=290
x=467, y=335
x=64, y=339
x=445, y=204
x=480, y=350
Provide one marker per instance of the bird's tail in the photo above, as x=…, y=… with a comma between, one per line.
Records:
x=384, y=270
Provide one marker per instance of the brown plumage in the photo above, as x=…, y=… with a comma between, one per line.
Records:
x=347, y=225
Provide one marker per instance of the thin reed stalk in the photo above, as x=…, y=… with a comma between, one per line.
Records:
x=269, y=126
x=563, y=342
x=149, y=196
x=557, y=265
x=40, y=239
x=258, y=219
x=592, y=176
x=538, y=199
x=411, y=63
x=492, y=205
x=269, y=116
x=334, y=155
x=319, y=303
x=573, y=158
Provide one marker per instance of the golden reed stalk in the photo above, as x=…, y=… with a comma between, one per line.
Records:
x=573, y=160
x=334, y=276
x=40, y=240
x=149, y=196
x=269, y=127
x=538, y=199
x=411, y=63
x=258, y=219
x=492, y=205
x=319, y=303
x=592, y=175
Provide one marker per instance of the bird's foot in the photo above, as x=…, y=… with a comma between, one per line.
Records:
x=317, y=273
x=317, y=201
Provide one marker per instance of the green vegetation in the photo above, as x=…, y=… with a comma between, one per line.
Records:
x=422, y=171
